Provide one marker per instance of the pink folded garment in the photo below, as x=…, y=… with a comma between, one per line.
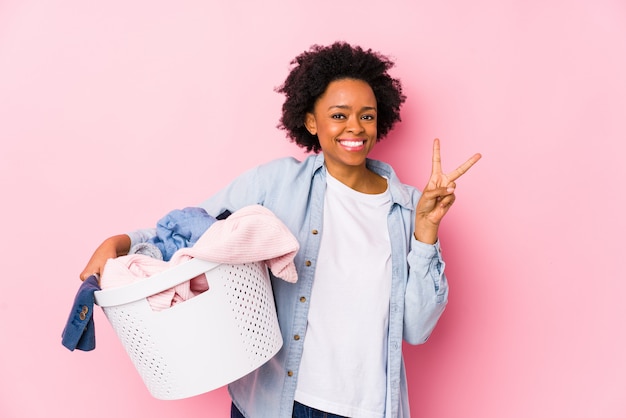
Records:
x=251, y=234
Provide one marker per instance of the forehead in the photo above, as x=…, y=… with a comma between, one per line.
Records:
x=348, y=91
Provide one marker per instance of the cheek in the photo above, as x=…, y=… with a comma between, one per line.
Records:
x=329, y=129
x=372, y=130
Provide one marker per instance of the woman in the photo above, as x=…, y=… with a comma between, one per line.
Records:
x=370, y=271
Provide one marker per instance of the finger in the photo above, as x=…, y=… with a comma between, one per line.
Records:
x=436, y=156
x=462, y=169
x=447, y=201
x=431, y=198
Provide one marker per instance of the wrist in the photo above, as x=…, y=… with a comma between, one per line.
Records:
x=428, y=234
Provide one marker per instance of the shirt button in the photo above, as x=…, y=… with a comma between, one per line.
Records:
x=289, y=373
x=314, y=232
x=296, y=337
x=307, y=263
x=302, y=299
x=83, y=313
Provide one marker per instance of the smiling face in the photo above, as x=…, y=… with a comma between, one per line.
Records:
x=344, y=120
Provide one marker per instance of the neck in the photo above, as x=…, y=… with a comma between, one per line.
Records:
x=359, y=178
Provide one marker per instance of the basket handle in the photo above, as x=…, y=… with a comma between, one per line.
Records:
x=154, y=284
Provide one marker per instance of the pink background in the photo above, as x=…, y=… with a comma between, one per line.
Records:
x=114, y=112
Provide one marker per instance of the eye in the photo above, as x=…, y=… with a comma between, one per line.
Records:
x=338, y=116
x=368, y=117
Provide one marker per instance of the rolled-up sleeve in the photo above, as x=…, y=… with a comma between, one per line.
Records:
x=426, y=291
x=141, y=235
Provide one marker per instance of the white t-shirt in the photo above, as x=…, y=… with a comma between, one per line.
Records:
x=344, y=364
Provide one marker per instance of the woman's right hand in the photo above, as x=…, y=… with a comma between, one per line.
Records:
x=112, y=247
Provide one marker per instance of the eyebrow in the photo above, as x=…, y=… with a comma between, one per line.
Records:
x=349, y=107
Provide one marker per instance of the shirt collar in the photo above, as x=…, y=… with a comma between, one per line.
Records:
x=399, y=193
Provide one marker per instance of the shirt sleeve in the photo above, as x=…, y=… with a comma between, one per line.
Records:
x=243, y=191
x=426, y=291
x=141, y=235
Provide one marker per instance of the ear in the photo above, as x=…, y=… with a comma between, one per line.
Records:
x=309, y=123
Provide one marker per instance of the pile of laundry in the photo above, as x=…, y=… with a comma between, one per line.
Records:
x=250, y=234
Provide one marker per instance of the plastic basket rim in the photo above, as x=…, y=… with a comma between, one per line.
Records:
x=154, y=284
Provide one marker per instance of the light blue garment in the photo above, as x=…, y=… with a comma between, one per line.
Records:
x=180, y=228
x=294, y=191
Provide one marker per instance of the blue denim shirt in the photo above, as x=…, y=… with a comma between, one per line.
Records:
x=294, y=191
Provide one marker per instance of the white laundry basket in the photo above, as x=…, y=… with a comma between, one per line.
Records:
x=202, y=343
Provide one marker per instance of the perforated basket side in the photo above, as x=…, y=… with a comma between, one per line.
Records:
x=252, y=302
x=140, y=346
x=207, y=341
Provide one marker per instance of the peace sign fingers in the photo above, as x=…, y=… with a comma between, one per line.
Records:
x=462, y=169
x=438, y=179
x=437, y=196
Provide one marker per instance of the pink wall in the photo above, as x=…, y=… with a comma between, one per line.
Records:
x=104, y=105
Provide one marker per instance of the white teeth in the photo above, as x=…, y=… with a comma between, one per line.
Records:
x=352, y=143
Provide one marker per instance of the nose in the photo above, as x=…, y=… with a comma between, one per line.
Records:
x=354, y=125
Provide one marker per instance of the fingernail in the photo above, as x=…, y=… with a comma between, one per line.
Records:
x=450, y=189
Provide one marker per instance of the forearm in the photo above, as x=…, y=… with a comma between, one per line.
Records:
x=120, y=244
x=111, y=247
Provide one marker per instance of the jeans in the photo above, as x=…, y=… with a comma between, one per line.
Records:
x=299, y=411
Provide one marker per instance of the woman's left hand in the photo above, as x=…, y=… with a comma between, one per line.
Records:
x=437, y=196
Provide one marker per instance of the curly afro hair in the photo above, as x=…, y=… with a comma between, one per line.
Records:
x=314, y=69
